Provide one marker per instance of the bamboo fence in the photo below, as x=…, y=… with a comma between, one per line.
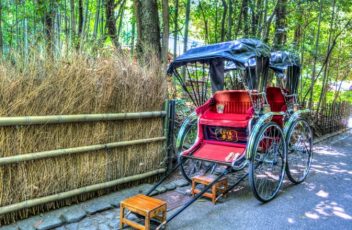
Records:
x=77, y=128
x=331, y=118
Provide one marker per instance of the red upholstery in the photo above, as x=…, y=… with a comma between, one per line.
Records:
x=277, y=103
x=275, y=99
x=217, y=152
x=237, y=113
x=226, y=119
x=237, y=109
x=235, y=101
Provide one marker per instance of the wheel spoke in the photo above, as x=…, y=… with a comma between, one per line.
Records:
x=268, y=165
x=299, y=157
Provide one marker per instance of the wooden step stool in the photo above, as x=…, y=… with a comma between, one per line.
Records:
x=145, y=206
x=220, y=186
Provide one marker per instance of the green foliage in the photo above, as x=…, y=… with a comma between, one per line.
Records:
x=23, y=28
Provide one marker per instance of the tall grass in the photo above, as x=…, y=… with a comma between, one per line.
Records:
x=76, y=85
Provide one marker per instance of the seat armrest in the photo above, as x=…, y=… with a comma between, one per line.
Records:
x=201, y=109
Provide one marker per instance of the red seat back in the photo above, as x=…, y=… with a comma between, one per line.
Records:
x=275, y=98
x=234, y=101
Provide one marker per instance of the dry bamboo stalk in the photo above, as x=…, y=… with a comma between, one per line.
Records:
x=81, y=149
x=75, y=192
x=58, y=119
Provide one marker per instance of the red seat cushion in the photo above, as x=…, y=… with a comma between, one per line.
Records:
x=224, y=119
x=237, y=109
x=234, y=101
x=218, y=152
x=275, y=98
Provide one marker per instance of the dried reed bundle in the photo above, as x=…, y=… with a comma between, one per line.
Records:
x=77, y=85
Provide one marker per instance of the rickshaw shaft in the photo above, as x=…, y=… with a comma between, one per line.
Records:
x=232, y=186
x=226, y=171
x=163, y=179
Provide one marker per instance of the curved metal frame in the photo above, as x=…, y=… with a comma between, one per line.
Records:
x=261, y=132
x=287, y=132
x=262, y=119
x=292, y=119
x=191, y=119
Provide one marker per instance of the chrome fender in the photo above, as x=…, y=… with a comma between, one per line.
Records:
x=192, y=119
x=255, y=130
x=292, y=119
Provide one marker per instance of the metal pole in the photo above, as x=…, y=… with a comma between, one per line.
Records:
x=163, y=179
x=194, y=199
x=232, y=187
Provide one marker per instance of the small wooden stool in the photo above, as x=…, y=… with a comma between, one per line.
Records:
x=143, y=205
x=220, y=186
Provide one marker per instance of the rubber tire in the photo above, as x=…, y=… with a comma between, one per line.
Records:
x=288, y=137
x=251, y=163
x=181, y=159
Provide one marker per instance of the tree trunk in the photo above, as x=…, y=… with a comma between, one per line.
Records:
x=121, y=13
x=188, y=11
x=256, y=17
x=102, y=28
x=111, y=21
x=205, y=19
x=223, y=20
x=66, y=29
x=1, y=38
x=280, y=25
x=267, y=24
x=49, y=20
x=176, y=28
x=239, y=20
x=80, y=24
x=25, y=36
x=73, y=22
x=298, y=27
x=230, y=21
x=148, y=30
x=165, y=46
x=133, y=35
x=80, y=17
x=245, y=18
x=216, y=21
x=326, y=69
x=263, y=24
x=96, y=21
x=315, y=59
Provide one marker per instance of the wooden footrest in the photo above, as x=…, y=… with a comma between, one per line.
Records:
x=218, y=187
x=143, y=205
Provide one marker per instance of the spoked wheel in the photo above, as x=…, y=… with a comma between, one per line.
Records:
x=268, y=160
x=185, y=139
x=299, y=151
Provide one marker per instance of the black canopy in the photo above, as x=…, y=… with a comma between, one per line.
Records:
x=286, y=65
x=240, y=53
x=281, y=60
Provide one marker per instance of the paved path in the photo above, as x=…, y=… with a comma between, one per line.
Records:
x=323, y=201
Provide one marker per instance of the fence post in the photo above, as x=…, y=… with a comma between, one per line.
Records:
x=169, y=125
x=171, y=111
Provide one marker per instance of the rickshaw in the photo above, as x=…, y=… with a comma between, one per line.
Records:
x=234, y=124
x=236, y=129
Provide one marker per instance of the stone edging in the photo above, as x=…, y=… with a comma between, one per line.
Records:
x=330, y=135
x=75, y=213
